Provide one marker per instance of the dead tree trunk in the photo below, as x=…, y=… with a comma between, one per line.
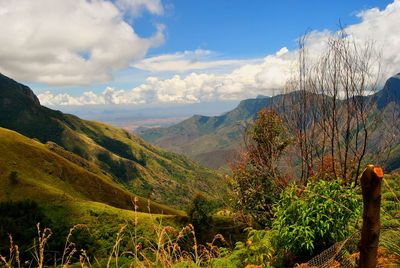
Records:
x=371, y=182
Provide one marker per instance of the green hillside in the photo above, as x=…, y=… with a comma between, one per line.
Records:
x=214, y=140
x=38, y=185
x=134, y=164
x=31, y=170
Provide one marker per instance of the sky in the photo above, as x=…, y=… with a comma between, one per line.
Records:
x=139, y=52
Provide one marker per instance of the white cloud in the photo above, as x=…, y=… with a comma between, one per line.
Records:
x=245, y=81
x=72, y=42
x=282, y=51
x=186, y=61
x=264, y=77
x=382, y=27
x=135, y=7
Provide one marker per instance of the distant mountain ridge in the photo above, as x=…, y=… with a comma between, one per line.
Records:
x=200, y=136
x=390, y=92
x=135, y=165
x=212, y=141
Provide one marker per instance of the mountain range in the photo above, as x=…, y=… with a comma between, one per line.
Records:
x=57, y=154
x=213, y=141
x=58, y=158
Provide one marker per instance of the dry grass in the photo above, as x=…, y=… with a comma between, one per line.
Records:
x=39, y=245
x=13, y=257
x=70, y=247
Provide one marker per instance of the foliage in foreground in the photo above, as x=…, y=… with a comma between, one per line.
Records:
x=306, y=221
x=390, y=215
x=257, y=250
x=172, y=248
x=311, y=219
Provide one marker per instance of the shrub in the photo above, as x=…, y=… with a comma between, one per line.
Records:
x=311, y=219
x=257, y=250
x=81, y=152
x=256, y=176
x=19, y=219
x=200, y=211
x=116, y=166
x=200, y=214
x=13, y=177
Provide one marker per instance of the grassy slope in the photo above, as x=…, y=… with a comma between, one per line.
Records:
x=69, y=193
x=144, y=169
x=46, y=177
x=141, y=168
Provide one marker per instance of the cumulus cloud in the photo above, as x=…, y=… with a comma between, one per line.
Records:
x=245, y=81
x=72, y=42
x=186, y=61
x=266, y=76
x=282, y=51
x=135, y=7
x=382, y=27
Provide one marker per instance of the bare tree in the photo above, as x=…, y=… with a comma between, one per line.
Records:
x=329, y=109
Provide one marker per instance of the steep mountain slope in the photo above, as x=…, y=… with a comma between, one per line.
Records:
x=32, y=170
x=214, y=140
x=390, y=92
x=39, y=185
x=140, y=167
x=210, y=140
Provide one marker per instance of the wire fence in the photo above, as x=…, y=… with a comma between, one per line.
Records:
x=336, y=256
x=339, y=254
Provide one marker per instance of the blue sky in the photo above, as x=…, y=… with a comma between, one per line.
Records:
x=247, y=28
x=173, y=51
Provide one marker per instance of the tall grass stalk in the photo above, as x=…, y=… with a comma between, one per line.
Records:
x=115, y=249
x=70, y=247
x=39, y=245
x=13, y=255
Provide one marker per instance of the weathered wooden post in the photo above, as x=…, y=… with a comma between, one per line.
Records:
x=371, y=182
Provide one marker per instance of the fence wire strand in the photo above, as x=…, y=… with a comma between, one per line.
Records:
x=335, y=256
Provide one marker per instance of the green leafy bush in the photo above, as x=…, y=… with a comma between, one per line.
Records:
x=200, y=210
x=311, y=219
x=257, y=250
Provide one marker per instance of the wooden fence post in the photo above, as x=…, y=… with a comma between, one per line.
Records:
x=371, y=183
